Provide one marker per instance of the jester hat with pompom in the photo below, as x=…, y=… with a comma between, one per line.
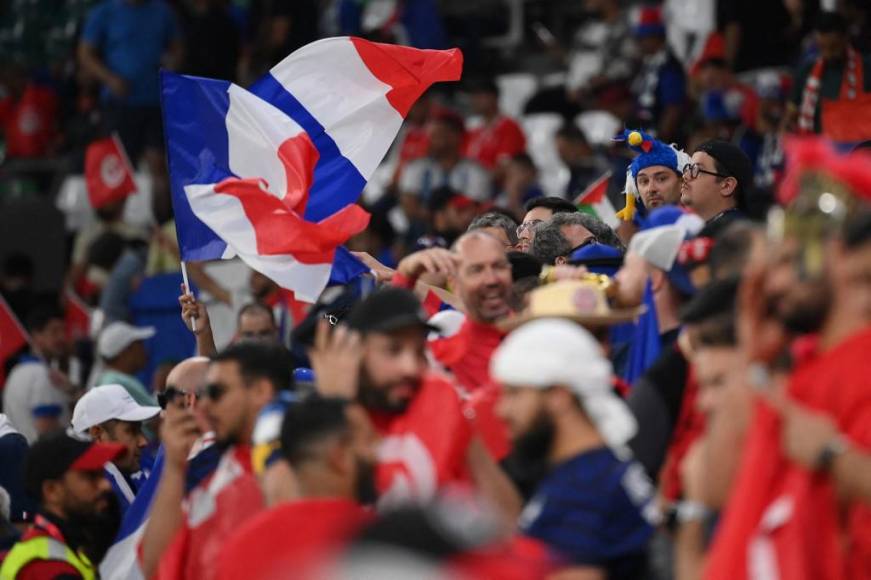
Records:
x=651, y=152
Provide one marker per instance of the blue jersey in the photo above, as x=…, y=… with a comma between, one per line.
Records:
x=595, y=510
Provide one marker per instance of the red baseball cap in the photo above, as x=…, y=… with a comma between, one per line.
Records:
x=52, y=456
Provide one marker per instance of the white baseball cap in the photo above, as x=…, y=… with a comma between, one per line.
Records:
x=118, y=336
x=108, y=402
x=553, y=351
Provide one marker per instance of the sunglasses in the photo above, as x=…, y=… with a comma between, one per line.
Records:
x=213, y=392
x=169, y=396
x=693, y=170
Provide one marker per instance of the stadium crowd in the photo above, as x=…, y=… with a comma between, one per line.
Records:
x=614, y=323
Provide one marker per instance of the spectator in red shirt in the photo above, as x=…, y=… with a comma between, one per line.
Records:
x=499, y=137
x=328, y=444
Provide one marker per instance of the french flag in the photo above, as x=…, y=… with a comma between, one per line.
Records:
x=272, y=174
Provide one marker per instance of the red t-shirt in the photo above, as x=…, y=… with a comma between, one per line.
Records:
x=217, y=507
x=490, y=144
x=295, y=536
x=467, y=353
x=783, y=516
x=423, y=449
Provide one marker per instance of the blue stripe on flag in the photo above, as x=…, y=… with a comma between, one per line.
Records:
x=194, y=112
x=337, y=182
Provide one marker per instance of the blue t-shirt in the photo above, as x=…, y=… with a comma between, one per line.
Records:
x=131, y=39
x=595, y=510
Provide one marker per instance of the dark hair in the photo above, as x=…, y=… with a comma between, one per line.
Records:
x=828, y=22
x=524, y=158
x=856, y=231
x=440, y=197
x=730, y=250
x=499, y=220
x=571, y=132
x=18, y=264
x=451, y=120
x=482, y=85
x=602, y=231
x=553, y=203
x=309, y=422
x=105, y=251
x=712, y=313
x=260, y=360
x=38, y=318
x=252, y=307
x=524, y=265
x=549, y=243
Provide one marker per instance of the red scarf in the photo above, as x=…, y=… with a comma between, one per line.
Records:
x=851, y=83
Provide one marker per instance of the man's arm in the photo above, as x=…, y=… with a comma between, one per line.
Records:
x=178, y=433
x=492, y=483
x=94, y=66
x=196, y=316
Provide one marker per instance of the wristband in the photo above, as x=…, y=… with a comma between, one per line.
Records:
x=836, y=446
x=691, y=511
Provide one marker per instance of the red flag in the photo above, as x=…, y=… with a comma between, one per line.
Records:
x=12, y=336
x=108, y=173
x=77, y=316
x=595, y=192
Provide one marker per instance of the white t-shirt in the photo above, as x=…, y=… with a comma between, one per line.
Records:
x=29, y=387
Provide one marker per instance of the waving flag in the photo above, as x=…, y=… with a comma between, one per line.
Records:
x=272, y=174
x=108, y=172
x=595, y=200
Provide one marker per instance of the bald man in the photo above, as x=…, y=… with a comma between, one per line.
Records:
x=479, y=272
x=185, y=433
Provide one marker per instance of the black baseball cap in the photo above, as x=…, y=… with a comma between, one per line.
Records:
x=56, y=454
x=386, y=310
x=334, y=304
x=732, y=158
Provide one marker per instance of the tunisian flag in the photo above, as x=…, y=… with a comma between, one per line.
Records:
x=12, y=336
x=108, y=173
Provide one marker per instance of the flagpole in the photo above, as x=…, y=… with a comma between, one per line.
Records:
x=187, y=287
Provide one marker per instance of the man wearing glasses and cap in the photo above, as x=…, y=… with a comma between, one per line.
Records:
x=594, y=507
x=716, y=184
x=108, y=414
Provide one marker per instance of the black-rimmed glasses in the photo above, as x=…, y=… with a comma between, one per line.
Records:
x=692, y=170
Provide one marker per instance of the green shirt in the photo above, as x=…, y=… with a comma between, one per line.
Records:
x=136, y=389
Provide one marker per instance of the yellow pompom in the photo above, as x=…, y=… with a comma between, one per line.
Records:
x=635, y=138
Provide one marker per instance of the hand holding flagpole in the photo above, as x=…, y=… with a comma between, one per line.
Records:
x=187, y=289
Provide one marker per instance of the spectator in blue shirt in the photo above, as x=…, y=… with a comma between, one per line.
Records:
x=660, y=84
x=124, y=45
x=594, y=506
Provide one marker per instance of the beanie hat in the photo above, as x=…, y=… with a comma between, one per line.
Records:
x=651, y=152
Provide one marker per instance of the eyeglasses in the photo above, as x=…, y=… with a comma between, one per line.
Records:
x=213, y=392
x=694, y=169
x=169, y=395
x=526, y=225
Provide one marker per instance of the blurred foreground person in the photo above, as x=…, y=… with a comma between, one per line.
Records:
x=426, y=443
x=78, y=515
x=241, y=380
x=595, y=506
x=799, y=504
x=328, y=444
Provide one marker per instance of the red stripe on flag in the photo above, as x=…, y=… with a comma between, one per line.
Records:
x=77, y=316
x=410, y=71
x=12, y=336
x=595, y=192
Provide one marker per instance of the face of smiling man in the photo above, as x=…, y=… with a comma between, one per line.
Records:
x=483, y=277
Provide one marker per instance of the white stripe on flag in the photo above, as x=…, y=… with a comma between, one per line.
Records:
x=332, y=82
